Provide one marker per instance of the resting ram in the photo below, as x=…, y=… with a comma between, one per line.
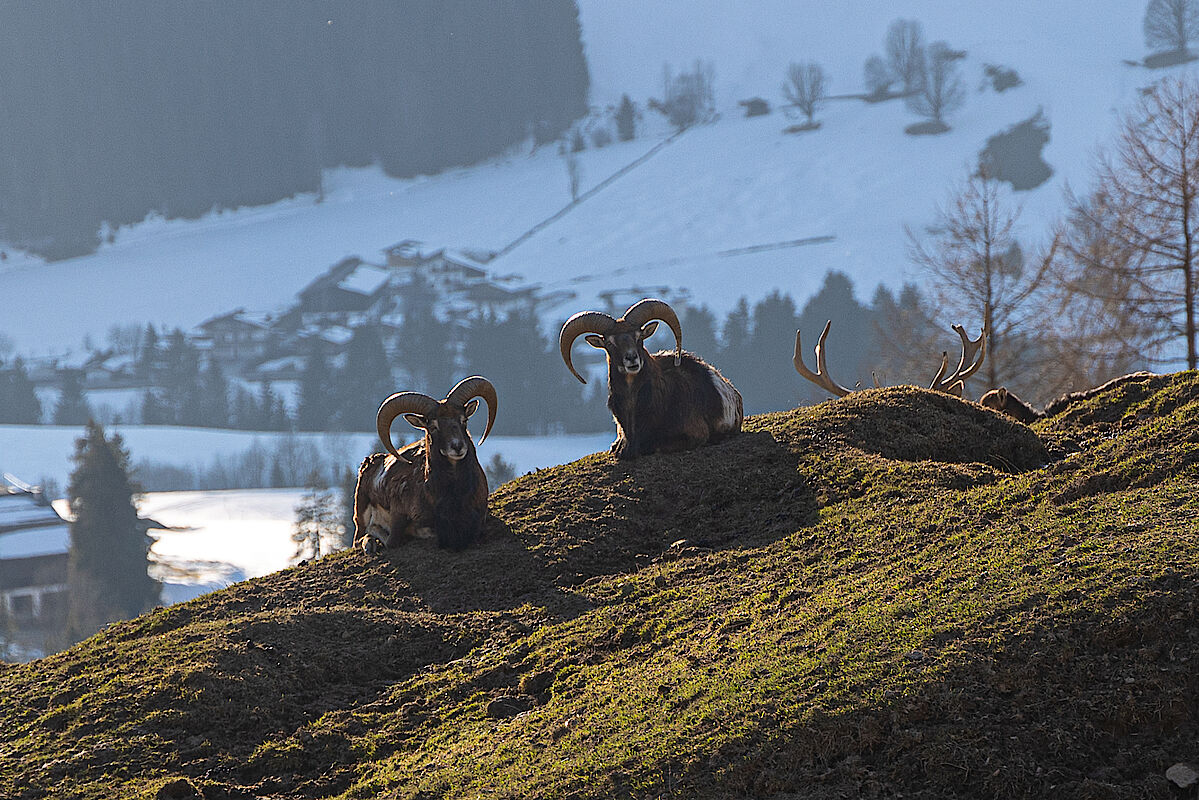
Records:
x=1008, y=403
x=433, y=487
x=661, y=403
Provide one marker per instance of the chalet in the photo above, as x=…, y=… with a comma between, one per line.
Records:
x=489, y=298
x=409, y=253
x=34, y=546
x=108, y=369
x=345, y=294
x=239, y=337
x=444, y=270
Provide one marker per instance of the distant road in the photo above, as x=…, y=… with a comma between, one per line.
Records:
x=676, y=260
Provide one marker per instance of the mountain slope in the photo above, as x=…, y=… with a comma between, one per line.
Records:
x=893, y=593
x=710, y=213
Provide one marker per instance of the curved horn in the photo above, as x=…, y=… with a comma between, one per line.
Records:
x=400, y=403
x=576, y=326
x=476, y=386
x=643, y=311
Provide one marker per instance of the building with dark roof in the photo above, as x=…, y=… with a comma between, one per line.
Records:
x=34, y=546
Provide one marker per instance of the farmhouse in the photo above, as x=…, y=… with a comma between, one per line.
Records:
x=34, y=543
x=344, y=294
x=239, y=337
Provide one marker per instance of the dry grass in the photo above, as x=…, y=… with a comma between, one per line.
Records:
x=894, y=593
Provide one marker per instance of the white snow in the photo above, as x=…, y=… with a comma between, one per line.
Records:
x=736, y=185
x=223, y=537
x=365, y=279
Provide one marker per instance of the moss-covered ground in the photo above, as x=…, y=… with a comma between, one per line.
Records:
x=896, y=593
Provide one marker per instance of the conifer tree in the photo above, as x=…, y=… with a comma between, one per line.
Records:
x=246, y=414
x=214, y=397
x=699, y=325
x=148, y=357
x=735, y=335
x=849, y=356
x=771, y=344
x=366, y=380
x=109, y=547
x=71, y=408
x=181, y=379
x=271, y=413
x=18, y=400
x=626, y=119
x=155, y=410
x=427, y=343
x=315, y=411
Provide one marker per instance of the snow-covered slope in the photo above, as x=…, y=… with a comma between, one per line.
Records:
x=703, y=213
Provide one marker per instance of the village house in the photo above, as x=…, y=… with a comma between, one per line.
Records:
x=34, y=546
x=237, y=338
x=345, y=294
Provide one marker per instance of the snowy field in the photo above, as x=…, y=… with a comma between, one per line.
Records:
x=710, y=213
x=34, y=453
x=219, y=538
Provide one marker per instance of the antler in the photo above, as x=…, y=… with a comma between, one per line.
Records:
x=955, y=384
x=820, y=377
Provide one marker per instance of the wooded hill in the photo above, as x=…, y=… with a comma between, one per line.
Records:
x=119, y=108
x=894, y=593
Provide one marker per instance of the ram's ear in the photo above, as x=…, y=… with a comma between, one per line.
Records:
x=1002, y=394
x=417, y=421
x=595, y=340
x=647, y=330
x=472, y=407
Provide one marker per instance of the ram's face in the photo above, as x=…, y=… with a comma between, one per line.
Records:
x=446, y=428
x=625, y=346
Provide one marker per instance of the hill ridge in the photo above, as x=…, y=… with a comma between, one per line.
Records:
x=790, y=613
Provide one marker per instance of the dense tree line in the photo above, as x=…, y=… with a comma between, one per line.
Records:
x=179, y=108
x=340, y=386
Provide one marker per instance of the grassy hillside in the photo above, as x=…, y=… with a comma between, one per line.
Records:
x=894, y=593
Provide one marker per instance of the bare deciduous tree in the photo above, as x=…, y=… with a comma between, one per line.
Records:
x=574, y=175
x=805, y=87
x=877, y=77
x=1132, y=244
x=316, y=520
x=979, y=269
x=1170, y=25
x=1093, y=334
x=941, y=90
x=905, y=53
x=688, y=97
